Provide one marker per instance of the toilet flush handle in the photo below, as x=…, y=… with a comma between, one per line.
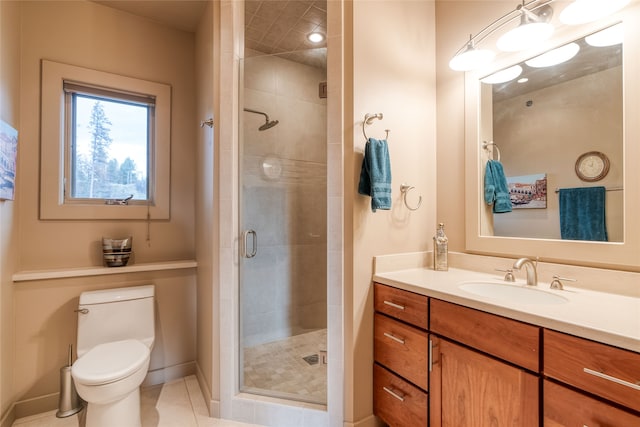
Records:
x=82, y=310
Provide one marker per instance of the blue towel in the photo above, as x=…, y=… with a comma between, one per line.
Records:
x=582, y=214
x=375, y=175
x=496, y=189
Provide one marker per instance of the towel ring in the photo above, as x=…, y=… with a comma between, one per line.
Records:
x=404, y=189
x=486, y=145
x=368, y=119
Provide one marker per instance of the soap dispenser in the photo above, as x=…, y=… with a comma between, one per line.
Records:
x=440, y=250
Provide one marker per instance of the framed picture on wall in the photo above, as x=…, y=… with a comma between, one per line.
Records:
x=528, y=191
x=8, y=157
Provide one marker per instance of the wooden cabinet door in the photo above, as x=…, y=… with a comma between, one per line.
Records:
x=468, y=388
x=567, y=408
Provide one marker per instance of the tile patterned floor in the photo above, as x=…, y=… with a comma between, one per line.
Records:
x=279, y=367
x=178, y=403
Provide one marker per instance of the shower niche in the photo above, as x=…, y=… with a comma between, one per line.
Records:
x=283, y=245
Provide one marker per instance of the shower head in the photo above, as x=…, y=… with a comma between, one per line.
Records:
x=268, y=124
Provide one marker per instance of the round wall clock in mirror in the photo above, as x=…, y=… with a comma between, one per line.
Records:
x=592, y=166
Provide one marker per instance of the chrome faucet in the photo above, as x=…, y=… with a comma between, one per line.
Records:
x=532, y=273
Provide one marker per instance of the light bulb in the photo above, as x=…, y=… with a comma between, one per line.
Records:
x=555, y=56
x=503, y=75
x=607, y=37
x=524, y=36
x=471, y=59
x=583, y=11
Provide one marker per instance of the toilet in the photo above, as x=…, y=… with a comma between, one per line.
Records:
x=115, y=337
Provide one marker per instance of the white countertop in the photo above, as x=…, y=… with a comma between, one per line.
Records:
x=605, y=317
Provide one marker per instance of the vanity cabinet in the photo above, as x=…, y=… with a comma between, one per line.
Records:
x=483, y=369
x=400, y=377
x=443, y=364
x=601, y=370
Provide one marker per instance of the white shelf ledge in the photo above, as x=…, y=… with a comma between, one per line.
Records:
x=25, y=276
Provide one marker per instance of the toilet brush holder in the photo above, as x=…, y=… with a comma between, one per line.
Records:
x=69, y=403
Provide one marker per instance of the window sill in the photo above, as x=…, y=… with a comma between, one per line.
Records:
x=25, y=276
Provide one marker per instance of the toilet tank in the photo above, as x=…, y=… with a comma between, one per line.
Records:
x=115, y=314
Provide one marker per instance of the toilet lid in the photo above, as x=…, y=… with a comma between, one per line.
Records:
x=109, y=362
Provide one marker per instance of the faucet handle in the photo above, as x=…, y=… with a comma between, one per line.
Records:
x=509, y=277
x=557, y=284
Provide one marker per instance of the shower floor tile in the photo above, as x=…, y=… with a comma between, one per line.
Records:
x=280, y=367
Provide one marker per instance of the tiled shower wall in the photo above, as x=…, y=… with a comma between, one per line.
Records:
x=284, y=199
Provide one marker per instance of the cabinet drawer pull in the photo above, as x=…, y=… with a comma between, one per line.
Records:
x=613, y=379
x=396, y=339
x=394, y=394
x=394, y=305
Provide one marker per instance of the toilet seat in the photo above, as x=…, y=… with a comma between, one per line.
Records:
x=110, y=362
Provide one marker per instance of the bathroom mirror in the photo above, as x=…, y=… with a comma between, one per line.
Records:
x=541, y=129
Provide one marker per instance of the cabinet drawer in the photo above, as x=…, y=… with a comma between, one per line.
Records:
x=402, y=349
x=567, y=408
x=397, y=402
x=404, y=305
x=605, y=371
x=507, y=339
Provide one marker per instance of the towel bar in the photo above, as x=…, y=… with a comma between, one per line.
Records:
x=368, y=119
x=486, y=145
x=404, y=189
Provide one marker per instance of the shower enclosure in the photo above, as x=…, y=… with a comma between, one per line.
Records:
x=283, y=246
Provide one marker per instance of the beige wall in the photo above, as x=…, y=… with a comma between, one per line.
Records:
x=393, y=72
x=455, y=20
x=10, y=113
x=205, y=209
x=93, y=36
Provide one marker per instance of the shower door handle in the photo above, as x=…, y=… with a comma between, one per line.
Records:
x=245, y=244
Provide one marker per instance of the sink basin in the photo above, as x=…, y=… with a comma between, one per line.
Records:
x=514, y=293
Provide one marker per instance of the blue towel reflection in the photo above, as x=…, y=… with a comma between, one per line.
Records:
x=582, y=214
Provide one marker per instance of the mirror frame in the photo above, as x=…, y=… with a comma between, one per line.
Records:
x=621, y=255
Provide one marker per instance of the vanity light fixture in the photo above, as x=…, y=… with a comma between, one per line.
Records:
x=534, y=27
x=555, y=56
x=607, y=37
x=583, y=11
x=471, y=58
x=315, y=37
x=503, y=76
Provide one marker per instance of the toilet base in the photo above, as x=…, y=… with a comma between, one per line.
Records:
x=122, y=413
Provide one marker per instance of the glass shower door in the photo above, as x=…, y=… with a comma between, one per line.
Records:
x=283, y=304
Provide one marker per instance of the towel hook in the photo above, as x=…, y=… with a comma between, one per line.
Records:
x=368, y=119
x=486, y=145
x=404, y=189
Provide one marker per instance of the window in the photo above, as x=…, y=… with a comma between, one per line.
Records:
x=107, y=141
x=111, y=136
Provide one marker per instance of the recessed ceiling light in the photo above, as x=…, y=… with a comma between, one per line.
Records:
x=523, y=80
x=315, y=37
